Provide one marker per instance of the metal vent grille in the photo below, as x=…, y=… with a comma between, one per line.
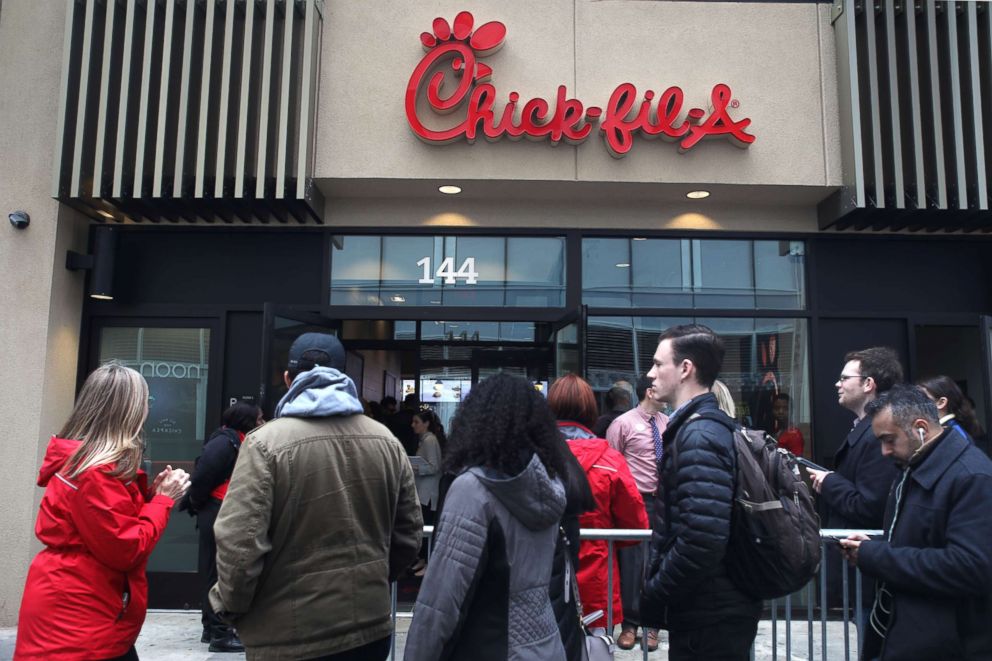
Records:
x=915, y=83
x=190, y=110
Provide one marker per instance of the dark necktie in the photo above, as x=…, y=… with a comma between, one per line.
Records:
x=656, y=435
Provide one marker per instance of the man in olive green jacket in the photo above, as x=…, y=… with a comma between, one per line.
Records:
x=321, y=515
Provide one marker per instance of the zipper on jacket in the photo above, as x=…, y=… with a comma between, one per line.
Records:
x=125, y=599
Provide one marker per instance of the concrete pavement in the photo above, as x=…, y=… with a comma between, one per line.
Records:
x=175, y=636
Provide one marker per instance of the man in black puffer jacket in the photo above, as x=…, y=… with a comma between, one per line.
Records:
x=687, y=590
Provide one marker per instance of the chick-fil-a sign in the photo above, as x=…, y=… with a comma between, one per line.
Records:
x=625, y=115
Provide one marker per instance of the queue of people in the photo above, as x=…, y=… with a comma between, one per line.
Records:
x=304, y=521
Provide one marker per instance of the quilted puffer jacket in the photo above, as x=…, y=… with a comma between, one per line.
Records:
x=485, y=595
x=687, y=585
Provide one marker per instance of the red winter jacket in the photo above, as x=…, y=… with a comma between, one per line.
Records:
x=619, y=505
x=98, y=532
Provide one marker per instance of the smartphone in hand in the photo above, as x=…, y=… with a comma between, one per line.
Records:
x=803, y=461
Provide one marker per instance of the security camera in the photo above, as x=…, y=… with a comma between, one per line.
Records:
x=19, y=219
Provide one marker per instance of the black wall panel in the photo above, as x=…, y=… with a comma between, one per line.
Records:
x=228, y=268
x=902, y=276
x=242, y=357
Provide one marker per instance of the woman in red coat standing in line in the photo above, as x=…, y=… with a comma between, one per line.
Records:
x=86, y=592
x=618, y=502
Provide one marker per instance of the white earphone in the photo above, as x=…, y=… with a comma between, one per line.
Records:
x=919, y=430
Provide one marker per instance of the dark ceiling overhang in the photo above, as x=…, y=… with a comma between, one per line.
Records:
x=186, y=110
x=915, y=102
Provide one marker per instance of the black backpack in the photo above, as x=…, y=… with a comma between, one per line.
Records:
x=774, y=547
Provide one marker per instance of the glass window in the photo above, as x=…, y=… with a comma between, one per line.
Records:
x=765, y=358
x=174, y=362
x=355, y=270
x=606, y=272
x=457, y=271
x=723, y=276
x=477, y=331
x=779, y=275
x=700, y=273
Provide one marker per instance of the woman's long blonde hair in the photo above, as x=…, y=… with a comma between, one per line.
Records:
x=107, y=419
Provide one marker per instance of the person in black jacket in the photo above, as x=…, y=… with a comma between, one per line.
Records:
x=208, y=487
x=934, y=566
x=854, y=495
x=688, y=590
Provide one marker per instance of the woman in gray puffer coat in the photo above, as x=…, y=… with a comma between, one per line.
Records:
x=485, y=594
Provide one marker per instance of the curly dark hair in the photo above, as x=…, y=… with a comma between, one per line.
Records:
x=501, y=424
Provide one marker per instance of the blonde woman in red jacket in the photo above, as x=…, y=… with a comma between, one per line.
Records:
x=86, y=592
x=618, y=502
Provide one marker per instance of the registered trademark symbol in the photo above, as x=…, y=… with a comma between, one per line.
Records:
x=734, y=103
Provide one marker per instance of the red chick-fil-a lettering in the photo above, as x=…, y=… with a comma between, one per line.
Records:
x=473, y=107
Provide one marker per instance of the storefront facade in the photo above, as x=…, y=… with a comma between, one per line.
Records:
x=570, y=245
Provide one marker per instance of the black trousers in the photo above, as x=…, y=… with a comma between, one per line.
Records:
x=633, y=562
x=130, y=655
x=374, y=651
x=730, y=640
x=428, y=514
x=208, y=567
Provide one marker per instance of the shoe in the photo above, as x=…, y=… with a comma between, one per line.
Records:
x=652, y=640
x=627, y=639
x=227, y=643
x=205, y=636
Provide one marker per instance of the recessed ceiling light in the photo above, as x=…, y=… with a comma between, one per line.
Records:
x=697, y=194
x=105, y=214
x=102, y=297
x=450, y=190
x=640, y=238
x=397, y=299
x=623, y=265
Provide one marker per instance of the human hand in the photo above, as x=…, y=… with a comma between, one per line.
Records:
x=153, y=489
x=849, y=547
x=817, y=477
x=171, y=483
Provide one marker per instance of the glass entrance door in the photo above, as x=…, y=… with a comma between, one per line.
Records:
x=174, y=357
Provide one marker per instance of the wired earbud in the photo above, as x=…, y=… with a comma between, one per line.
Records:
x=922, y=434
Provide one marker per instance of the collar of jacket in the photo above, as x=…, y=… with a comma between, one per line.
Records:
x=698, y=403
x=862, y=427
x=932, y=465
x=572, y=430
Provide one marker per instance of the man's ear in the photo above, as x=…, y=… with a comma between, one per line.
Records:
x=941, y=403
x=285, y=377
x=686, y=368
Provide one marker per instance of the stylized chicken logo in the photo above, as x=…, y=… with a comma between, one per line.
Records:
x=460, y=39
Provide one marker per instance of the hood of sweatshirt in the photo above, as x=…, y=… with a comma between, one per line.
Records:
x=532, y=496
x=320, y=393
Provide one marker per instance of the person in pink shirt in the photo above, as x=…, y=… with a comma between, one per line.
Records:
x=637, y=436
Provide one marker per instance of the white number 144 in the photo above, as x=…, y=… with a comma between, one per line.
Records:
x=447, y=271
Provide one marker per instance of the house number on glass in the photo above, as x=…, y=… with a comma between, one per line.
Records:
x=447, y=271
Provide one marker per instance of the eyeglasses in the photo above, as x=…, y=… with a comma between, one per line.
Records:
x=844, y=377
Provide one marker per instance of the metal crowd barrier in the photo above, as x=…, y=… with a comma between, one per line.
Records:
x=807, y=595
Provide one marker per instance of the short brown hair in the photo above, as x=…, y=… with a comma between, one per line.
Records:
x=880, y=363
x=571, y=398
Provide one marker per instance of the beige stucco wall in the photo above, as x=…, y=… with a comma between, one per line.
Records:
x=778, y=59
x=39, y=327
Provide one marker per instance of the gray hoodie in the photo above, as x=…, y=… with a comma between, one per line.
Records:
x=488, y=577
x=320, y=393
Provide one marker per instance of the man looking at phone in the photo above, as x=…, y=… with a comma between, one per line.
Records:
x=934, y=566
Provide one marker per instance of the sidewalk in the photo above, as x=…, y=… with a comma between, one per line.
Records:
x=175, y=636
